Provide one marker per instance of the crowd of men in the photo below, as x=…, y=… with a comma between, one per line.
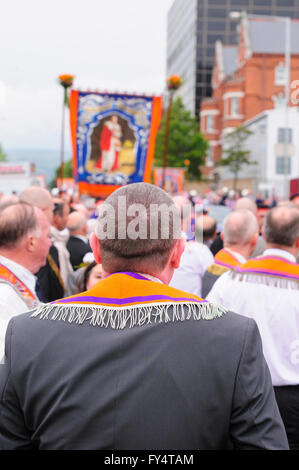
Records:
x=189, y=342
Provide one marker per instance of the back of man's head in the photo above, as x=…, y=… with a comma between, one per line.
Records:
x=239, y=227
x=185, y=208
x=205, y=228
x=77, y=223
x=281, y=225
x=17, y=221
x=39, y=197
x=246, y=203
x=138, y=227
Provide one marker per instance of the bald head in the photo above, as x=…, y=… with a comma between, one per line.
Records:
x=40, y=198
x=245, y=203
x=281, y=225
x=205, y=228
x=239, y=227
x=77, y=223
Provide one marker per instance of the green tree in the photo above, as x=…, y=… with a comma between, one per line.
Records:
x=185, y=141
x=3, y=156
x=67, y=172
x=234, y=155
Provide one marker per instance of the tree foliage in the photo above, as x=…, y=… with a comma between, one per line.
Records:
x=234, y=156
x=67, y=172
x=185, y=141
x=3, y=156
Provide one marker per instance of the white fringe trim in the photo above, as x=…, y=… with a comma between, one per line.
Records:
x=122, y=317
x=265, y=279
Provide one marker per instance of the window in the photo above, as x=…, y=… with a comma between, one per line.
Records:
x=263, y=3
x=210, y=123
x=280, y=74
x=234, y=106
x=283, y=165
x=285, y=135
x=209, y=157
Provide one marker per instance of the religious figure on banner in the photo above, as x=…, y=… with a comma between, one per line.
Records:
x=110, y=145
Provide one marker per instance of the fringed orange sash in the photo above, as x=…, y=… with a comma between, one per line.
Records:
x=123, y=299
x=270, y=266
x=10, y=278
x=226, y=258
x=223, y=261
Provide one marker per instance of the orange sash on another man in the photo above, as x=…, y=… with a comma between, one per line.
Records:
x=272, y=266
x=10, y=278
x=223, y=261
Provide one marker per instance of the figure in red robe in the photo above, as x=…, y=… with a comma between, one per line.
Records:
x=110, y=145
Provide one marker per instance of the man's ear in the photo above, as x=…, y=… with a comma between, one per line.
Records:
x=95, y=246
x=177, y=253
x=254, y=239
x=31, y=243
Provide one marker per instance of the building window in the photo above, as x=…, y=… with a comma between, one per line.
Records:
x=285, y=135
x=234, y=106
x=209, y=157
x=283, y=165
x=210, y=123
x=280, y=74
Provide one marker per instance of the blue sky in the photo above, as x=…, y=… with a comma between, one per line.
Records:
x=107, y=44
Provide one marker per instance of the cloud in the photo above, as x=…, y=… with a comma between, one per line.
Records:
x=107, y=45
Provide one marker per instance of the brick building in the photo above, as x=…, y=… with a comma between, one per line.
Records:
x=248, y=79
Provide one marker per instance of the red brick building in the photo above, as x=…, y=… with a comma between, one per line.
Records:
x=248, y=79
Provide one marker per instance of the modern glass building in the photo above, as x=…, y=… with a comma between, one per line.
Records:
x=193, y=28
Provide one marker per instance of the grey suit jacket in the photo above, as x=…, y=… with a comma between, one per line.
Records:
x=180, y=385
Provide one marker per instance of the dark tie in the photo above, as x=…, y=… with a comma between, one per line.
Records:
x=39, y=291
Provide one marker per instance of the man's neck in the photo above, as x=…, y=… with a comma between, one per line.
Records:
x=17, y=258
x=290, y=249
x=242, y=250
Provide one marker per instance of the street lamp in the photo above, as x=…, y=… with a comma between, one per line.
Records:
x=173, y=83
x=66, y=81
x=237, y=15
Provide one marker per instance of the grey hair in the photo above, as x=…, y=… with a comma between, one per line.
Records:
x=239, y=227
x=17, y=221
x=76, y=221
x=158, y=223
x=281, y=225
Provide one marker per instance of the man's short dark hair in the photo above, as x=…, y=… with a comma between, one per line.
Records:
x=123, y=253
x=58, y=208
x=281, y=225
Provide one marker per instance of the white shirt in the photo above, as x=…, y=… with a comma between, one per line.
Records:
x=195, y=259
x=276, y=312
x=11, y=303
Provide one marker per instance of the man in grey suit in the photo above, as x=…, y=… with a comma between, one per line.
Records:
x=134, y=363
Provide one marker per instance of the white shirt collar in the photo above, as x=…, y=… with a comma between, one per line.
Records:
x=84, y=239
x=21, y=272
x=151, y=278
x=239, y=257
x=281, y=253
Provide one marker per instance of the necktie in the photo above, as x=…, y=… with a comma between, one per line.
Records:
x=38, y=291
